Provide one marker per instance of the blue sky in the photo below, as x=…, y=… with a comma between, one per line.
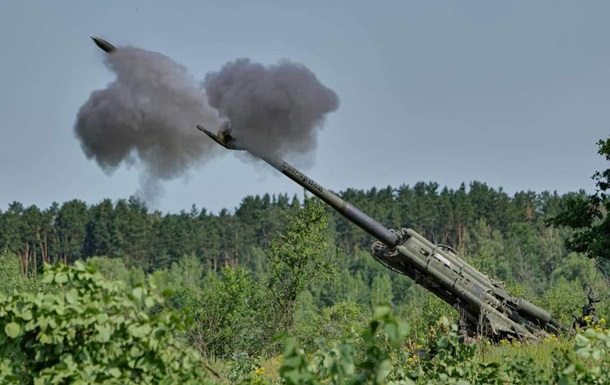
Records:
x=514, y=94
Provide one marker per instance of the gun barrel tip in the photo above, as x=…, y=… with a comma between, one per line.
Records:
x=208, y=132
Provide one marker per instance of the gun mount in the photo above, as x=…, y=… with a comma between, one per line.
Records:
x=484, y=306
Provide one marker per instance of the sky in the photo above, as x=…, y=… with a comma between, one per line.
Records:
x=514, y=94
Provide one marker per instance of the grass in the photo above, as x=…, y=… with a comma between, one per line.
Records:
x=542, y=353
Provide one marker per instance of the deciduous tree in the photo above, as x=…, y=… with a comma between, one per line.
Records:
x=588, y=216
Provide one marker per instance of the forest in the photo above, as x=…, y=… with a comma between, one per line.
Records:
x=283, y=289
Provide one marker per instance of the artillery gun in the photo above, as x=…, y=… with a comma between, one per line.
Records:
x=484, y=305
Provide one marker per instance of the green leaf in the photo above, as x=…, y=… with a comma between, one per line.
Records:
x=71, y=296
x=12, y=330
x=383, y=370
x=103, y=334
x=61, y=278
x=79, y=266
x=581, y=340
x=149, y=302
x=139, y=331
x=26, y=315
x=43, y=322
x=31, y=325
x=382, y=311
x=569, y=369
x=45, y=338
x=47, y=278
x=137, y=293
x=115, y=372
x=596, y=355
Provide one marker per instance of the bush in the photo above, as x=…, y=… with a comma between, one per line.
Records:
x=89, y=331
x=227, y=314
x=11, y=278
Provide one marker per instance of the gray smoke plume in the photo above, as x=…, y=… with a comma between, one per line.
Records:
x=275, y=109
x=147, y=118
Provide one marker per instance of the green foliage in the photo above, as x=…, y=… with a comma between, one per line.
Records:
x=112, y=269
x=349, y=284
x=454, y=362
x=11, y=279
x=243, y=367
x=381, y=290
x=565, y=299
x=592, y=362
x=588, y=216
x=525, y=362
x=487, y=251
x=227, y=312
x=338, y=364
x=187, y=272
x=340, y=322
x=386, y=357
x=422, y=313
x=90, y=331
x=298, y=256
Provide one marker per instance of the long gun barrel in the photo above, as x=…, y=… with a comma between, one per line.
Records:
x=482, y=302
x=362, y=220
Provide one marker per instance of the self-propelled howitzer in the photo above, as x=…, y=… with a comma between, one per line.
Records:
x=484, y=306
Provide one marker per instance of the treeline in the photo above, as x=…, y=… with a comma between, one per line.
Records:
x=151, y=240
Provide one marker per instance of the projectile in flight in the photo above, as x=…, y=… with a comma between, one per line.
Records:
x=103, y=44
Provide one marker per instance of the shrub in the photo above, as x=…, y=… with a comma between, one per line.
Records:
x=89, y=331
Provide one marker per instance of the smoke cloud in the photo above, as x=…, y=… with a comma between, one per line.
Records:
x=276, y=109
x=147, y=117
